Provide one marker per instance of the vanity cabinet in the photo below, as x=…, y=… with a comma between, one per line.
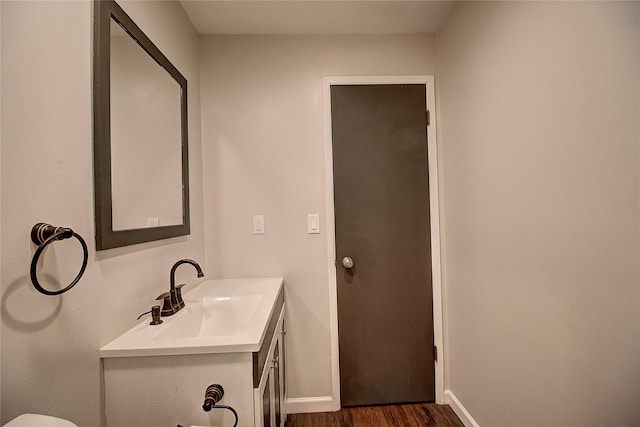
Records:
x=165, y=390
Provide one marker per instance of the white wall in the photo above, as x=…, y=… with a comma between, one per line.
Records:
x=540, y=139
x=50, y=345
x=0, y=213
x=262, y=126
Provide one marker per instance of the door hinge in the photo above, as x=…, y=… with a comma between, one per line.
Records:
x=428, y=118
x=435, y=353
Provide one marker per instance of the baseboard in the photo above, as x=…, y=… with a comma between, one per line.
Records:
x=303, y=405
x=460, y=410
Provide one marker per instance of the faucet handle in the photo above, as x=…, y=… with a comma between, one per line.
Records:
x=162, y=296
x=167, y=307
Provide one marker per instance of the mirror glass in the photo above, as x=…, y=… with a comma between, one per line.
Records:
x=141, y=174
x=146, y=168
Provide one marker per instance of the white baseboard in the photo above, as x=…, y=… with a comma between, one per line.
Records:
x=304, y=405
x=460, y=410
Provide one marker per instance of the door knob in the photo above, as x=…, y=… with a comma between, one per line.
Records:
x=347, y=263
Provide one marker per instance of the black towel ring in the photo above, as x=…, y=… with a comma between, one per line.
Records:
x=42, y=235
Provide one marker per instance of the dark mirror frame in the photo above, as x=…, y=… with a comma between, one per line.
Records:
x=106, y=236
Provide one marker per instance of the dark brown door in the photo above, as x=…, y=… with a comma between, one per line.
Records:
x=381, y=190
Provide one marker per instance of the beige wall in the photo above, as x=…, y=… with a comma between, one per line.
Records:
x=50, y=344
x=540, y=138
x=262, y=126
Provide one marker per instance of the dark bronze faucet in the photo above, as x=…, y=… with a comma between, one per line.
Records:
x=172, y=300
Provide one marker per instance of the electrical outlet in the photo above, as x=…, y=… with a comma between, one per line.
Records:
x=153, y=222
x=258, y=224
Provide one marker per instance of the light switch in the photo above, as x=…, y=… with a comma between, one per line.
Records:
x=313, y=224
x=258, y=224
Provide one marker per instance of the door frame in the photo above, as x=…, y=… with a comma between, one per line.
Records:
x=434, y=199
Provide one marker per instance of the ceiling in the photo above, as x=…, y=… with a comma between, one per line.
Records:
x=316, y=17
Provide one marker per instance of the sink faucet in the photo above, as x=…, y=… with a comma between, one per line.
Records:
x=173, y=299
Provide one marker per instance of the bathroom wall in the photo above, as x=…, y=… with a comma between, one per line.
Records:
x=540, y=137
x=0, y=209
x=0, y=212
x=262, y=127
x=50, y=345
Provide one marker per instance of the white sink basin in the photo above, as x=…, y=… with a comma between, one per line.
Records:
x=212, y=316
x=221, y=316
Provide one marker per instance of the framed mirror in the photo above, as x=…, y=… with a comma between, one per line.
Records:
x=140, y=144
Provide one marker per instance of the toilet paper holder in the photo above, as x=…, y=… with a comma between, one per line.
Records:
x=212, y=395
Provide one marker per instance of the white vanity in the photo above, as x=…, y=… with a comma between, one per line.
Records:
x=231, y=333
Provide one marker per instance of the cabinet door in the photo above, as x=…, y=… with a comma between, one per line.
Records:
x=263, y=400
x=269, y=398
x=266, y=403
x=277, y=389
x=282, y=377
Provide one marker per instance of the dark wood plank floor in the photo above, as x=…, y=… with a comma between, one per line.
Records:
x=409, y=415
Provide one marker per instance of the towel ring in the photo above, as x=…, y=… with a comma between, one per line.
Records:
x=44, y=234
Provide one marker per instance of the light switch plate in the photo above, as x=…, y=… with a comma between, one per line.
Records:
x=313, y=224
x=258, y=224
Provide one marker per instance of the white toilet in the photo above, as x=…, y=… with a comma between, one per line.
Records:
x=34, y=420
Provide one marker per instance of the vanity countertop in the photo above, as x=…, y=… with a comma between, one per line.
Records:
x=221, y=316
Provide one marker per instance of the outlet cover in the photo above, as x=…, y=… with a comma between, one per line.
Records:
x=258, y=224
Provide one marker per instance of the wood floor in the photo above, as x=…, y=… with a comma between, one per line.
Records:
x=409, y=415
